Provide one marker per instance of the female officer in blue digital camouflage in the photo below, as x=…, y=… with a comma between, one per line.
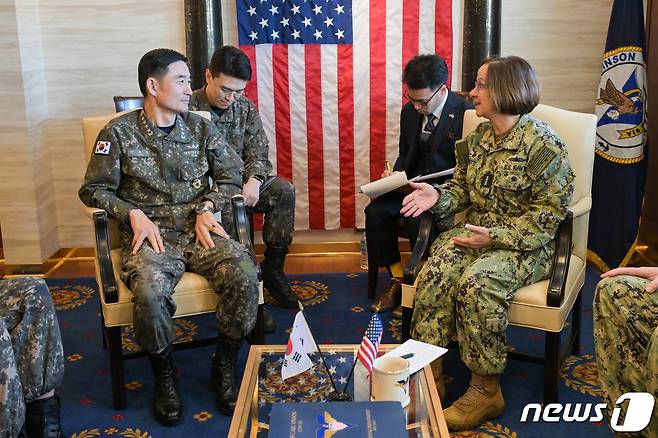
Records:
x=514, y=175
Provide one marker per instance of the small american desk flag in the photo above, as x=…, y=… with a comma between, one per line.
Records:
x=370, y=344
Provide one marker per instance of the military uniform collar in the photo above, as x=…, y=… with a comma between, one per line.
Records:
x=180, y=133
x=228, y=116
x=512, y=140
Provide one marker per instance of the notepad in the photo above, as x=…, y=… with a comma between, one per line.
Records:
x=397, y=180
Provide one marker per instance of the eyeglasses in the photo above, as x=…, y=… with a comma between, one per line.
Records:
x=225, y=93
x=422, y=102
x=480, y=86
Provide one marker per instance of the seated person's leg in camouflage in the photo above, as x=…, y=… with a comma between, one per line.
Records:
x=626, y=337
x=277, y=201
x=31, y=359
x=152, y=277
x=233, y=275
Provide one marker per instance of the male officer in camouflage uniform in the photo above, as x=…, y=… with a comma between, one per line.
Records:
x=518, y=184
x=626, y=336
x=31, y=360
x=150, y=170
x=237, y=119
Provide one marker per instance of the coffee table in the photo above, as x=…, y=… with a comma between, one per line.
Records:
x=262, y=385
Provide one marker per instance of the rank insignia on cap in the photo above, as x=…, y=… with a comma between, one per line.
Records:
x=102, y=147
x=196, y=183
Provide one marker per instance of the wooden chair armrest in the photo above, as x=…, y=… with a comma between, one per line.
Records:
x=560, y=269
x=101, y=231
x=421, y=247
x=241, y=222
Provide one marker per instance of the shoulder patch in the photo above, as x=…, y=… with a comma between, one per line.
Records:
x=539, y=162
x=102, y=147
x=461, y=152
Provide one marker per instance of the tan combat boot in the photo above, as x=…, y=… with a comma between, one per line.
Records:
x=483, y=401
x=437, y=372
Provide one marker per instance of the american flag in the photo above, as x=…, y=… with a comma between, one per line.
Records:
x=370, y=344
x=328, y=85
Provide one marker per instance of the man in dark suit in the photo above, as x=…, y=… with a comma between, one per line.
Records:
x=430, y=123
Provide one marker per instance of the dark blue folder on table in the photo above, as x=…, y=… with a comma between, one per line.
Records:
x=337, y=420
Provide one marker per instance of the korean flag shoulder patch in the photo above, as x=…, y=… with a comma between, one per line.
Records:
x=102, y=147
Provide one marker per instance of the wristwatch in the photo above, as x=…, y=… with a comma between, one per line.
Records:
x=203, y=207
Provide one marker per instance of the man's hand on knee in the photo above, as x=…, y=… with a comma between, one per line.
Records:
x=205, y=224
x=144, y=228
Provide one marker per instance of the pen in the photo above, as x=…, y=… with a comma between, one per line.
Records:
x=388, y=166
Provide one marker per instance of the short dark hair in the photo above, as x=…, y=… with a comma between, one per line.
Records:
x=155, y=63
x=232, y=62
x=512, y=84
x=425, y=71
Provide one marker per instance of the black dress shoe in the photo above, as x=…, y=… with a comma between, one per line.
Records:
x=390, y=298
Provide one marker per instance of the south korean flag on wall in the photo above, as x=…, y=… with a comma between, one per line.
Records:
x=102, y=147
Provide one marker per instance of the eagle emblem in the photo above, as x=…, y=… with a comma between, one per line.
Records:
x=620, y=103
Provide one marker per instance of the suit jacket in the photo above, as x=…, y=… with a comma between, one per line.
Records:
x=442, y=139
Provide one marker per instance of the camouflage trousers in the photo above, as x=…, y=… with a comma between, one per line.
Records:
x=626, y=342
x=277, y=201
x=31, y=354
x=152, y=277
x=466, y=293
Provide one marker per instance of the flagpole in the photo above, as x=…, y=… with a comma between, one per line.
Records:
x=356, y=359
x=337, y=396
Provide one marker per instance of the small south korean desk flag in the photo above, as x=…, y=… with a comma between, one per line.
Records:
x=300, y=343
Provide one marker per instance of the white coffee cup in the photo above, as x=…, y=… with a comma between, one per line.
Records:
x=390, y=380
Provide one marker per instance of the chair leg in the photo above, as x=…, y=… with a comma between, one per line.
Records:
x=257, y=335
x=373, y=273
x=405, y=328
x=116, y=367
x=551, y=367
x=103, y=334
x=575, y=325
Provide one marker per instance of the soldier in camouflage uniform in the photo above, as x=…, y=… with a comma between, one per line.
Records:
x=31, y=360
x=237, y=119
x=626, y=337
x=514, y=174
x=150, y=170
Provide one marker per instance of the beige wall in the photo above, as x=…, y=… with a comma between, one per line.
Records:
x=564, y=41
x=62, y=60
x=65, y=59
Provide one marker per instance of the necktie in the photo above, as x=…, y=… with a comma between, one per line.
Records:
x=429, y=127
x=431, y=123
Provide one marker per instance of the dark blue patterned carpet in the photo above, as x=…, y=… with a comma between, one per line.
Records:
x=338, y=312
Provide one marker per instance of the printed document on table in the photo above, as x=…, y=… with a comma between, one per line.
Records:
x=419, y=354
